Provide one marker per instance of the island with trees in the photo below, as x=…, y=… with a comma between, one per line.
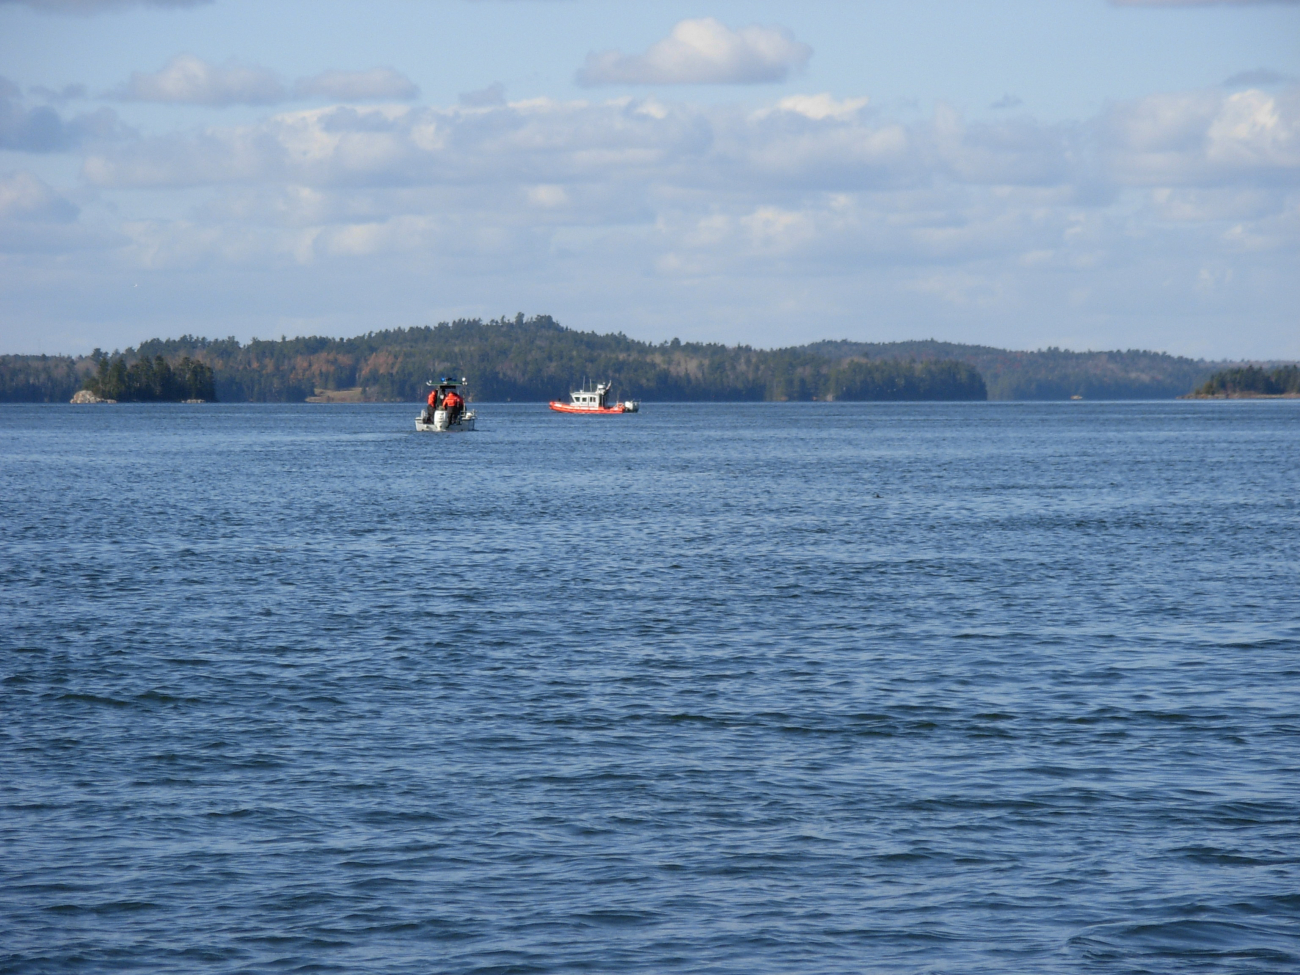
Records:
x=148, y=380
x=1251, y=382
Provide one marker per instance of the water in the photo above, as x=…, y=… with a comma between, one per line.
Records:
x=741, y=688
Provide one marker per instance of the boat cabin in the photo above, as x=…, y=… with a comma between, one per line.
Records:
x=446, y=386
x=592, y=399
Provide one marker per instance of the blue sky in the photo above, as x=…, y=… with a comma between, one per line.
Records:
x=1079, y=173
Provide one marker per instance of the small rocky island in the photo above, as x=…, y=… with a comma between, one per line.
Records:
x=148, y=381
x=1251, y=382
x=84, y=396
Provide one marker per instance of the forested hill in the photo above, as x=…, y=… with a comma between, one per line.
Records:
x=534, y=360
x=538, y=359
x=1049, y=374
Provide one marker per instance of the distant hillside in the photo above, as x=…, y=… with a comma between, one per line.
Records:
x=537, y=359
x=532, y=360
x=1049, y=374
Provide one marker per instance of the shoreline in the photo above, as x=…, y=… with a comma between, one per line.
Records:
x=1240, y=396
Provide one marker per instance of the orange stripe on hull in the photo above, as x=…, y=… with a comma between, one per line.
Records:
x=559, y=407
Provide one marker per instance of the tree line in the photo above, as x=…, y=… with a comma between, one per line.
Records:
x=536, y=359
x=1051, y=373
x=41, y=378
x=1253, y=381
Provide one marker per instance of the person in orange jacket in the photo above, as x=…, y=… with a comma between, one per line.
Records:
x=433, y=405
x=453, y=404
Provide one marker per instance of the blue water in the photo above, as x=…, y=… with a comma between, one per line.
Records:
x=756, y=688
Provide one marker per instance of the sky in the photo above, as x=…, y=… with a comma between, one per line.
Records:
x=1086, y=174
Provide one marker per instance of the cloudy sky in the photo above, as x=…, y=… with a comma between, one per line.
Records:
x=1024, y=173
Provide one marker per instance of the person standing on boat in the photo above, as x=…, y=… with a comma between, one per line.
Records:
x=452, y=403
x=433, y=405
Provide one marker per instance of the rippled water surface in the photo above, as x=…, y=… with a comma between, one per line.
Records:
x=744, y=688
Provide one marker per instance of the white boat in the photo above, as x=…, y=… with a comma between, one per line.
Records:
x=587, y=400
x=435, y=418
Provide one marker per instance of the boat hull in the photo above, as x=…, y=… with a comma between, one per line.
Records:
x=440, y=425
x=559, y=407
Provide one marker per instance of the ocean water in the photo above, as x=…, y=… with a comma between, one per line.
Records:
x=745, y=688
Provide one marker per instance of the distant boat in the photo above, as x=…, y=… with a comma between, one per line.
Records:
x=436, y=418
x=594, y=400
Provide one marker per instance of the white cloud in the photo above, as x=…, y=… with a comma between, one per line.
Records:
x=547, y=195
x=489, y=97
x=534, y=142
x=1216, y=204
x=1257, y=131
x=187, y=79
x=703, y=51
x=190, y=80
x=1204, y=138
x=42, y=129
x=24, y=196
x=374, y=85
x=779, y=229
x=822, y=106
x=65, y=94
x=799, y=144
x=35, y=219
x=813, y=199
x=1021, y=152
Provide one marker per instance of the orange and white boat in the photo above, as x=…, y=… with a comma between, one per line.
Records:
x=594, y=401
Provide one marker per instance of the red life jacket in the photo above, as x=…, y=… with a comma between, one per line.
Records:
x=451, y=402
x=433, y=398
